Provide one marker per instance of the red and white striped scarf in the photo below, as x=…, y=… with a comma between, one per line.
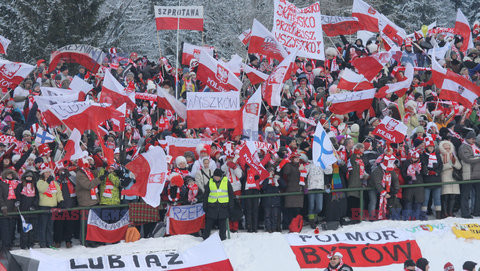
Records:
x=107, y=192
x=12, y=185
x=28, y=190
x=90, y=176
x=192, y=192
x=386, y=182
x=52, y=188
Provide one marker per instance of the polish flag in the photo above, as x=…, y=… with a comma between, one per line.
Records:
x=100, y=231
x=245, y=36
x=150, y=170
x=81, y=86
x=118, y=121
x=336, y=25
x=391, y=34
x=213, y=109
x=167, y=101
x=179, y=17
x=400, y=88
x=248, y=155
x=350, y=80
x=438, y=72
x=255, y=76
x=272, y=88
x=13, y=73
x=371, y=65
x=216, y=75
x=4, y=42
x=113, y=93
x=191, y=51
x=72, y=148
x=367, y=16
x=392, y=130
x=459, y=89
x=462, y=28
x=177, y=146
x=264, y=42
x=346, y=102
x=88, y=56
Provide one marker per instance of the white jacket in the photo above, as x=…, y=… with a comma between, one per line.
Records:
x=233, y=176
x=315, y=178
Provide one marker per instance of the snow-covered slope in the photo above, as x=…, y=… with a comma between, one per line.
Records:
x=264, y=251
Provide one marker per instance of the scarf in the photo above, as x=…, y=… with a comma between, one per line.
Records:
x=192, y=192
x=303, y=175
x=336, y=183
x=432, y=159
x=28, y=190
x=386, y=182
x=52, y=188
x=475, y=149
x=12, y=185
x=413, y=169
x=146, y=119
x=177, y=194
x=71, y=188
x=107, y=192
x=251, y=182
x=338, y=268
x=93, y=191
x=182, y=172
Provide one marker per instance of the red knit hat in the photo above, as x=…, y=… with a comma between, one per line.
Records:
x=429, y=142
x=176, y=180
x=448, y=267
x=44, y=149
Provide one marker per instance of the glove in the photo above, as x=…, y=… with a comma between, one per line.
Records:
x=4, y=211
x=327, y=190
x=49, y=179
x=17, y=204
x=231, y=165
x=61, y=204
x=32, y=208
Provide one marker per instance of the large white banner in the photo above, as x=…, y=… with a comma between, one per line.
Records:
x=299, y=28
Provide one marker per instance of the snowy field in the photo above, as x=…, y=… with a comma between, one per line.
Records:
x=264, y=251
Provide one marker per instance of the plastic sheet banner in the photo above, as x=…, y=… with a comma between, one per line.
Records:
x=467, y=231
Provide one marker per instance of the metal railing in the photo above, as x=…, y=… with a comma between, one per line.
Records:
x=83, y=219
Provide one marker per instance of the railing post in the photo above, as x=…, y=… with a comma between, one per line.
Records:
x=83, y=225
x=228, y=228
x=361, y=205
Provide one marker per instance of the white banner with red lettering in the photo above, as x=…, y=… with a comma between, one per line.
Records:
x=181, y=17
x=213, y=109
x=177, y=146
x=299, y=28
x=207, y=255
x=392, y=130
x=185, y=219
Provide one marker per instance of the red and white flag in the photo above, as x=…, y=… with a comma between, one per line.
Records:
x=88, y=56
x=167, y=101
x=80, y=115
x=45, y=101
x=13, y=73
x=73, y=151
x=150, y=169
x=181, y=17
x=6, y=139
x=216, y=75
x=235, y=64
x=264, y=42
x=245, y=36
x=336, y=25
x=392, y=130
x=251, y=116
x=114, y=93
x=459, y=89
x=248, y=155
x=392, y=35
x=118, y=121
x=213, y=109
x=185, y=219
x=272, y=88
x=462, y=28
x=367, y=16
x=438, y=72
x=400, y=88
x=350, y=80
x=177, y=146
x=371, y=65
x=81, y=86
x=346, y=102
x=100, y=231
x=255, y=76
x=4, y=42
x=191, y=51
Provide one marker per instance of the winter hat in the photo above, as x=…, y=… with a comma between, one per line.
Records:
x=203, y=148
x=268, y=129
x=408, y=263
x=469, y=265
x=179, y=160
x=218, y=172
x=38, y=160
x=150, y=85
x=330, y=51
x=252, y=57
x=429, y=142
x=388, y=163
x=44, y=149
x=145, y=128
x=176, y=180
x=26, y=133
x=414, y=154
x=458, y=39
x=448, y=267
x=470, y=134
x=422, y=263
x=355, y=128
x=332, y=254
x=189, y=154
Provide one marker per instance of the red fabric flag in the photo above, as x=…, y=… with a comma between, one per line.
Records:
x=462, y=28
x=264, y=42
x=245, y=36
x=272, y=88
x=336, y=25
x=247, y=155
x=167, y=101
x=255, y=76
x=459, y=89
x=100, y=231
x=371, y=65
x=346, y=102
x=13, y=73
x=367, y=16
x=392, y=130
x=216, y=75
x=89, y=57
x=213, y=109
x=191, y=51
x=113, y=93
x=400, y=88
x=181, y=17
x=72, y=148
x=350, y=80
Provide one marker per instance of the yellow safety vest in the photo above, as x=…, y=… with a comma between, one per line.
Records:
x=219, y=194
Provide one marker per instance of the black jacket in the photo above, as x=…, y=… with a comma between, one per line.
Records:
x=28, y=203
x=218, y=210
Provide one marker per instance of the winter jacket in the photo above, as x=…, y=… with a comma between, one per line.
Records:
x=448, y=166
x=46, y=201
x=83, y=188
x=267, y=188
x=202, y=177
x=376, y=178
x=291, y=175
x=28, y=203
x=218, y=210
x=354, y=179
x=69, y=201
x=316, y=176
x=470, y=163
x=413, y=194
x=112, y=198
x=234, y=176
x=4, y=201
x=431, y=174
x=345, y=267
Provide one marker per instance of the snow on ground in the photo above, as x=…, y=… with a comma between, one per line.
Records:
x=264, y=251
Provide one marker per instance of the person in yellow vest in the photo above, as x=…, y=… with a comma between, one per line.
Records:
x=217, y=203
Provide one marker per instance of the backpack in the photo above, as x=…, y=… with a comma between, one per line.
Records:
x=297, y=224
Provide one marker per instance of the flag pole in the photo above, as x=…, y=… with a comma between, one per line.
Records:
x=159, y=47
x=176, y=61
